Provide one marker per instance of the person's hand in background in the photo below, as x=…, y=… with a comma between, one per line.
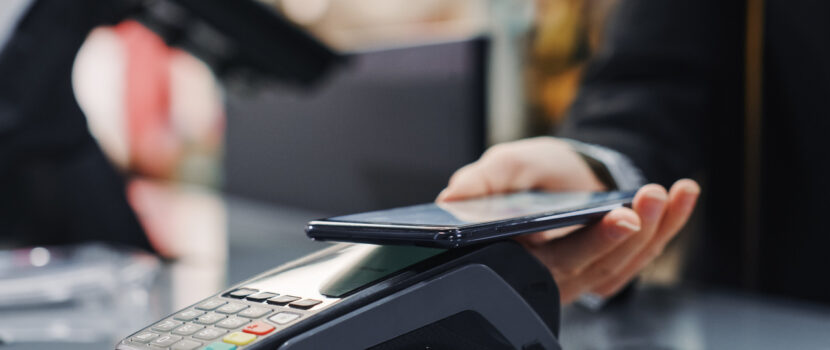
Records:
x=600, y=258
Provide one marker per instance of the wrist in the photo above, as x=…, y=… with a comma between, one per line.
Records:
x=613, y=169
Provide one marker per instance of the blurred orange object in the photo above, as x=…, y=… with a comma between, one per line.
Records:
x=567, y=32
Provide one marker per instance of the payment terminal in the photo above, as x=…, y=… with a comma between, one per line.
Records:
x=361, y=296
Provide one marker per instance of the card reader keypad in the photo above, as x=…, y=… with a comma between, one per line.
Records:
x=232, y=321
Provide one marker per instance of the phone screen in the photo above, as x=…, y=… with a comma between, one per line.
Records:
x=485, y=209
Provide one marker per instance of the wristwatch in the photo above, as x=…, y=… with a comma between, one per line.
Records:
x=617, y=172
x=612, y=168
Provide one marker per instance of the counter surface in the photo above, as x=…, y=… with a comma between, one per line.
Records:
x=260, y=236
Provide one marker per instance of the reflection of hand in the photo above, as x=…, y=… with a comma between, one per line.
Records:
x=477, y=212
x=600, y=258
x=153, y=205
x=502, y=207
x=180, y=221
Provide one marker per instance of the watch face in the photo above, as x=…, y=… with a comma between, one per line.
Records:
x=612, y=168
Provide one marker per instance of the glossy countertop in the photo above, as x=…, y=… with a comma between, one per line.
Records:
x=241, y=238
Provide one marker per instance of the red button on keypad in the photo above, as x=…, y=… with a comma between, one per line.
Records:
x=258, y=328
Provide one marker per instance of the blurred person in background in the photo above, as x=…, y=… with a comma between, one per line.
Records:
x=664, y=98
x=157, y=113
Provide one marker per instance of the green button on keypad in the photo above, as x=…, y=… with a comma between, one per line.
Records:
x=219, y=346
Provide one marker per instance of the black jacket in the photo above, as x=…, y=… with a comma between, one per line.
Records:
x=57, y=187
x=666, y=89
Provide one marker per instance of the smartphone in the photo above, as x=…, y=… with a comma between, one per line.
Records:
x=462, y=223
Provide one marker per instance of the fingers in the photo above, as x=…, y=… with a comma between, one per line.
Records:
x=682, y=199
x=540, y=238
x=496, y=172
x=569, y=255
x=603, y=257
x=538, y=163
x=466, y=182
x=649, y=204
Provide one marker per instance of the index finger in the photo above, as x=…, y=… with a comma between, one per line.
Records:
x=464, y=183
x=490, y=175
x=570, y=255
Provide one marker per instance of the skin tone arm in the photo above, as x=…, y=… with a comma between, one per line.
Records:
x=600, y=258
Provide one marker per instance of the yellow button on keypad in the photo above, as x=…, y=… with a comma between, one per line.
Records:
x=239, y=338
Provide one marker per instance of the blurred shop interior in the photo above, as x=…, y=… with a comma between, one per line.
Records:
x=222, y=164
x=223, y=167
x=419, y=77
x=425, y=88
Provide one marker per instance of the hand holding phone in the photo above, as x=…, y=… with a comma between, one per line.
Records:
x=600, y=258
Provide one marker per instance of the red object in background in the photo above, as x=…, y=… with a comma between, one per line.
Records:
x=258, y=328
x=172, y=113
x=154, y=148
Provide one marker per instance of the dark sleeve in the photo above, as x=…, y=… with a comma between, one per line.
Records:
x=666, y=74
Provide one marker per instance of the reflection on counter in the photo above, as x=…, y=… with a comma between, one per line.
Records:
x=76, y=294
x=690, y=318
x=187, y=223
x=96, y=293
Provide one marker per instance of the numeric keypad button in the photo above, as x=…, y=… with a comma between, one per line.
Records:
x=231, y=308
x=255, y=312
x=232, y=322
x=210, y=318
x=188, y=315
x=165, y=341
x=144, y=337
x=210, y=305
x=187, y=329
x=209, y=333
x=166, y=326
x=186, y=344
